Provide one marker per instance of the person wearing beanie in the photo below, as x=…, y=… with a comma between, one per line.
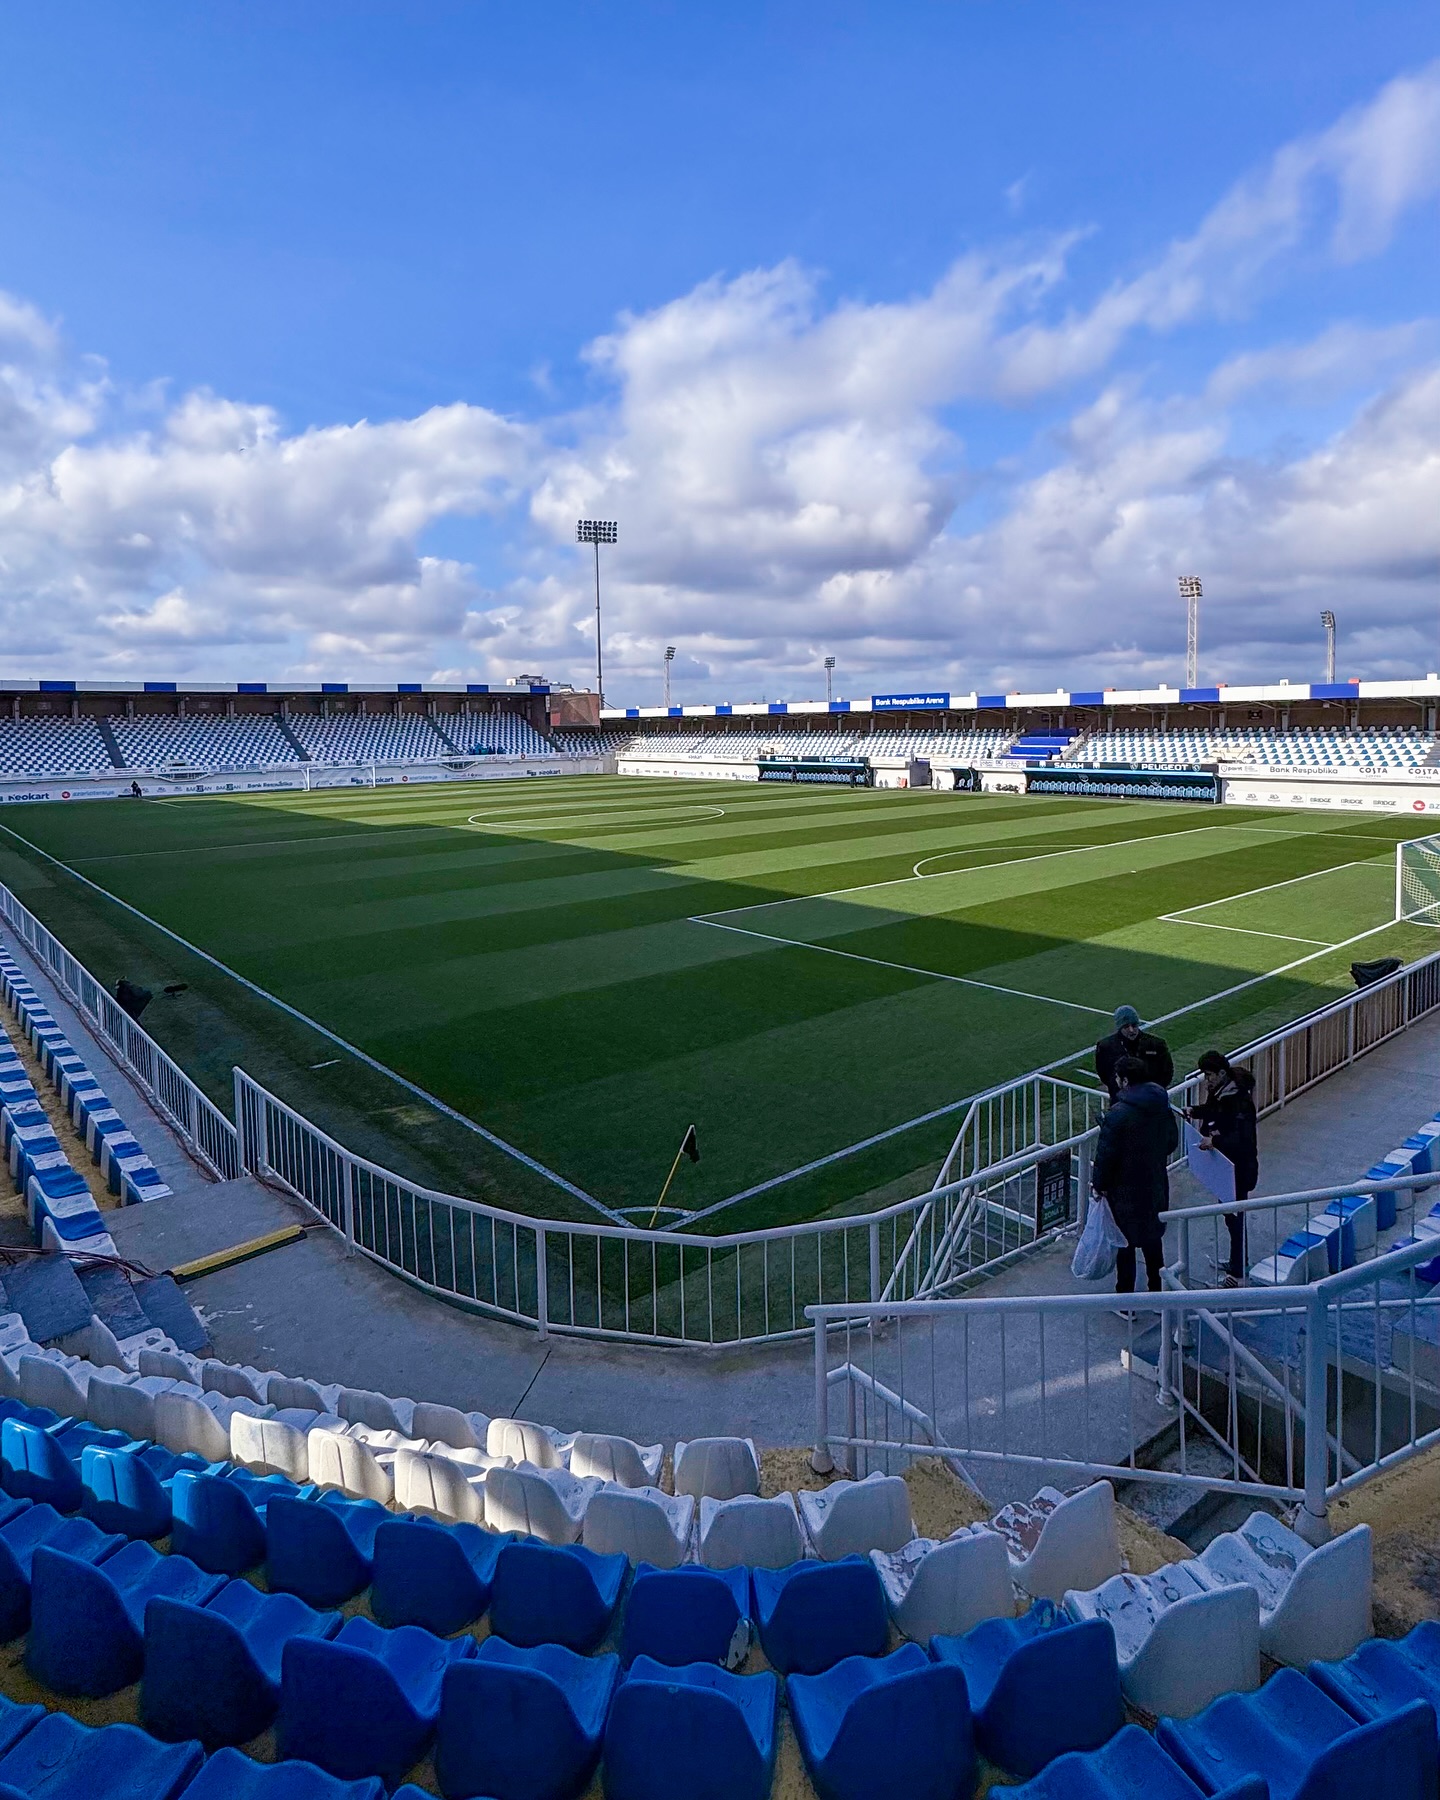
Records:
x=1128, y=1039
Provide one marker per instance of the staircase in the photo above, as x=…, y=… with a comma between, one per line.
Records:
x=301, y=753
x=112, y=743
x=1041, y=746
x=443, y=735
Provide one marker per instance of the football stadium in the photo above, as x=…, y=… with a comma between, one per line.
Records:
x=568, y=1238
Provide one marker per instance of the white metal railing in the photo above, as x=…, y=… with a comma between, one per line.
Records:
x=201, y=1125
x=613, y=1280
x=1295, y=1393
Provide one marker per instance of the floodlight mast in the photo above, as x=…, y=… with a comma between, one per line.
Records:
x=1190, y=593
x=669, y=658
x=1327, y=619
x=597, y=532
x=829, y=679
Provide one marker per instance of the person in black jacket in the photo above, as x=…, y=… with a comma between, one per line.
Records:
x=1226, y=1118
x=1128, y=1039
x=1138, y=1136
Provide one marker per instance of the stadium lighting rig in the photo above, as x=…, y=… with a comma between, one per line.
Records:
x=829, y=679
x=597, y=532
x=1190, y=593
x=1327, y=619
x=669, y=658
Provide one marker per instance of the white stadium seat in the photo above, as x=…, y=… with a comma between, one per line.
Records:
x=943, y=1589
x=641, y=1523
x=762, y=1534
x=717, y=1468
x=1315, y=1604
x=852, y=1518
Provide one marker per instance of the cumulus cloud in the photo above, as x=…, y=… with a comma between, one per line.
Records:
x=795, y=474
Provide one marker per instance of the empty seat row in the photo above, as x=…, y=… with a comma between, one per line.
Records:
x=209, y=741
x=128, y=1171
x=1197, y=1629
x=59, y=1206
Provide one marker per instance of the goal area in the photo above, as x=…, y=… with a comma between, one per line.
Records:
x=1417, y=881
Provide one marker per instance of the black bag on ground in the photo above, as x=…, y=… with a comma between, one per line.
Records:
x=1366, y=974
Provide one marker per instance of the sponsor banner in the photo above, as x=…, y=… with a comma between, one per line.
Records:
x=1002, y=781
x=1335, y=796
x=909, y=702
x=688, y=771
x=300, y=779
x=1268, y=772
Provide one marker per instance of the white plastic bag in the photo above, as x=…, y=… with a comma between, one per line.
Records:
x=1095, y=1253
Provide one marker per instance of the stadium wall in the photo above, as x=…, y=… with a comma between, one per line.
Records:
x=302, y=776
x=1372, y=790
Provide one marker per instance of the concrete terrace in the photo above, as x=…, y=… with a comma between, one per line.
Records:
x=313, y=1308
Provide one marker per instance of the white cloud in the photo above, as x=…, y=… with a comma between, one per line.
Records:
x=792, y=477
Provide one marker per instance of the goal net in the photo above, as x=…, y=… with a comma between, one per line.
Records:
x=1417, y=881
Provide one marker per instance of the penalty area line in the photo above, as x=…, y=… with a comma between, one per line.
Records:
x=334, y=1037
x=905, y=968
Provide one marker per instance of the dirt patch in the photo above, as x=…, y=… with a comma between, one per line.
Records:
x=940, y=1502
x=1144, y=1546
x=1402, y=1509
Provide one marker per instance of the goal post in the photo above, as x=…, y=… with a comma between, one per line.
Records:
x=1417, y=881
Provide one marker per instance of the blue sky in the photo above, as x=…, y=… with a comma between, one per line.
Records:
x=935, y=336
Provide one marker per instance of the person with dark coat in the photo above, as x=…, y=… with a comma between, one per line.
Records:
x=1225, y=1116
x=1128, y=1039
x=1138, y=1136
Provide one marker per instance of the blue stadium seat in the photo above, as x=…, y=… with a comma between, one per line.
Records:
x=62, y=1760
x=1308, y=1747
x=87, y=1622
x=24, y=1531
x=15, y=1721
x=522, y=1724
x=128, y=1490
x=39, y=1462
x=687, y=1615
x=1131, y=1766
x=1008, y=1662
x=891, y=1725
x=718, y=1731
x=219, y=1518
x=1379, y=1678
x=321, y=1549
x=365, y=1702
x=812, y=1615
x=546, y=1594
x=213, y=1672
x=434, y=1575
x=230, y=1776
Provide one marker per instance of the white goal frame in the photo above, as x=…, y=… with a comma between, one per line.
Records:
x=1417, y=881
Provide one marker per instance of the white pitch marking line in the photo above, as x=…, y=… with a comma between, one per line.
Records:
x=1271, y=886
x=904, y=968
x=628, y=821
x=1281, y=937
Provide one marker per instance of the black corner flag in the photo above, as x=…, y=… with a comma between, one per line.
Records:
x=689, y=1146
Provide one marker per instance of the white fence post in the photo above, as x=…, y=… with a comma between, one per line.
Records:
x=542, y=1281
x=875, y=1282
x=1312, y=1521
x=821, y=1460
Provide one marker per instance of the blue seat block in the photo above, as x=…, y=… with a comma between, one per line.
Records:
x=213, y=1672
x=20, y=1536
x=63, y=1760
x=686, y=1615
x=1007, y=1662
x=367, y=1701
x=1131, y=1766
x=230, y=1776
x=15, y=1721
x=1308, y=1747
x=813, y=1615
x=87, y=1623
x=718, y=1728
x=219, y=1519
x=545, y=1594
x=894, y=1725
x=523, y=1724
x=128, y=1490
x=35, y=1466
x=1381, y=1677
x=434, y=1575
x=322, y=1549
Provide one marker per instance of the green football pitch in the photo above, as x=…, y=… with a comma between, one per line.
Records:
x=586, y=966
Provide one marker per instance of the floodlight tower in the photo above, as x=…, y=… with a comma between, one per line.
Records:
x=1190, y=594
x=597, y=532
x=829, y=679
x=669, y=658
x=1327, y=619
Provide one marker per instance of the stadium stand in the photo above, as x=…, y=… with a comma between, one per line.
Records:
x=741, y=745
x=366, y=737
x=42, y=746
x=570, y=741
x=157, y=740
x=1382, y=747
x=498, y=734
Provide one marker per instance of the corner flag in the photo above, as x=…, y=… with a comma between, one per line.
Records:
x=689, y=1146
